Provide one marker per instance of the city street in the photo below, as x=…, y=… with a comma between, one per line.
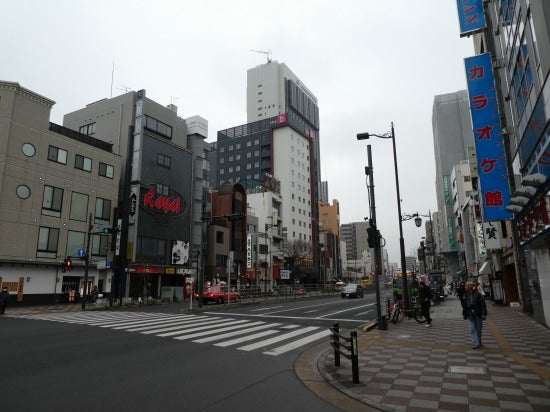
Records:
x=240, y=357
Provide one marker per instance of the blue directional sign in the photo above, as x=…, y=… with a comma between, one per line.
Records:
x=81, y=252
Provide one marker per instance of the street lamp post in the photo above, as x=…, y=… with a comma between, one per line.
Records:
x=391, y=135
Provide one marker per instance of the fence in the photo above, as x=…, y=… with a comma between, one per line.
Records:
x=348, y=348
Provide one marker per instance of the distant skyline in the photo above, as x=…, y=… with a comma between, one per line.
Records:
x=368, y=62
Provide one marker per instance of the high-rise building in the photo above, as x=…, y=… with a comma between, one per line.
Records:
x=280, y=143
x=516, y=37
x=452, y=134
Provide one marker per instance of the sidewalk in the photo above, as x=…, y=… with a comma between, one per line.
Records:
x=411, y=367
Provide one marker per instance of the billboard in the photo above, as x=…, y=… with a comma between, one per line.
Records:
x=470, y=16
x=489, y=141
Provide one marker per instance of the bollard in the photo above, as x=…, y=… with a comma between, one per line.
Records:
x=336, y=335
x=354, y=357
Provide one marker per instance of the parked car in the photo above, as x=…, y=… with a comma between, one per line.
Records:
x=353, y=291
x=219, y=294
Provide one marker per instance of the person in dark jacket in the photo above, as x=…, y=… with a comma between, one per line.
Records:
x=425, y=297
x=475, y=310
x=4, y=297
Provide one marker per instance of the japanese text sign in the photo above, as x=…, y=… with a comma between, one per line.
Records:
x=470, y=16
x=491, y=162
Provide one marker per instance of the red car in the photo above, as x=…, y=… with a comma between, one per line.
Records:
x=219, y=294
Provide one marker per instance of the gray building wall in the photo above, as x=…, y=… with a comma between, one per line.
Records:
x=452, y=134
x=24, y=123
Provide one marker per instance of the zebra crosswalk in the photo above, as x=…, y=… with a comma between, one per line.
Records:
x=272, y=338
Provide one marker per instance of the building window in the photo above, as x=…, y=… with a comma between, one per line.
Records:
x=83, y=163
x=249, y=166
x=163, y=189
x=79, y=207
x=230, y=148
x=238, y=146
x=75, y=241
x=248, y=155
x=23, y=191
x=106, y=170
x=102, y=210
x=237, y=168
x=99, y=245
x=222, y=160
x=158, y=127
x=230, y=158
x=87, y=129
x=28, y=149
x=48, y=238
x=238, y=157
x=52, y=201
x=249, y=143
x=219, y=237
x=164, y=161
x=55, y=154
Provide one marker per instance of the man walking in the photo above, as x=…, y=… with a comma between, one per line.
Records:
x=4, y=296
x=425, y=297
x=475, y=311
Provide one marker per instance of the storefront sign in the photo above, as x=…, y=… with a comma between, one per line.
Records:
x=160, y=204
x=470, y=16
x=489, y=142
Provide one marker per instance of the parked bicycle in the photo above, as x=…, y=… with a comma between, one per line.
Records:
x=397, y=311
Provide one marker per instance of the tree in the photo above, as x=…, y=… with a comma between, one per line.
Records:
x=299, y=259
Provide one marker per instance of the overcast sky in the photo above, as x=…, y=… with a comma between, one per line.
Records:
x=369, y=62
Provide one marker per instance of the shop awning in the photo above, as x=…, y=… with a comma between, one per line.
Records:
x=485, y=269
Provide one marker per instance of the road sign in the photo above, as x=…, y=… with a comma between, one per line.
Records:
x=81, y=252
x=99, y=227
x=285, y=274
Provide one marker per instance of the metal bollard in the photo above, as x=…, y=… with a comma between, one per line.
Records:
x=354, y=357
x=336, y=337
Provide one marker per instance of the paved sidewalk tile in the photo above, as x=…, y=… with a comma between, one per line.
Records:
x=410, y=367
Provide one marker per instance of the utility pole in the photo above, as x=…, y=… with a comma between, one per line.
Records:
x=86, y=263
x=374, y=239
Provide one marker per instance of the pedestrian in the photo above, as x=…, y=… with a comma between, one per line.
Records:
x=4, y=297
x=425, y=296
x=475, y=310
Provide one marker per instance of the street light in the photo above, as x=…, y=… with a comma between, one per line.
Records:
x=391, y=135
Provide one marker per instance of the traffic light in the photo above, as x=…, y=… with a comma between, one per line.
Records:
x=68, y=264
x=371, y=235
x=107, y=230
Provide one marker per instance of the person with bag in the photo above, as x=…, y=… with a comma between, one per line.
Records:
x=425, y=297
x=475, y=310
x=4, y=297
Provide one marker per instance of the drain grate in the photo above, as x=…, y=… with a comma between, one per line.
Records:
x=474, y=370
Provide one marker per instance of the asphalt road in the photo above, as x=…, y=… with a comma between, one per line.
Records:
x=154, y=359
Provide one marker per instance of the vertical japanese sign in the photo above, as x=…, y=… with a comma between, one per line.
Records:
x=493, y=175
x=470, y=16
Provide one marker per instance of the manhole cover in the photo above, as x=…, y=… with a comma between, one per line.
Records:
x=475, y=370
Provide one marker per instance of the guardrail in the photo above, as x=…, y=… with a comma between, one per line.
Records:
x=348, y=348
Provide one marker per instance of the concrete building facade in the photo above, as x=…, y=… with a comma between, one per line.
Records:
x=58, y=185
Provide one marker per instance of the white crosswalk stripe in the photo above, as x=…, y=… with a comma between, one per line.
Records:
x=222, y=332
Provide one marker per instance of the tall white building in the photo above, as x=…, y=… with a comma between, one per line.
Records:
x=280, y=142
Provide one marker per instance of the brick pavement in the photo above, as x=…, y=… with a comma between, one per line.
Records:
x=411, y=367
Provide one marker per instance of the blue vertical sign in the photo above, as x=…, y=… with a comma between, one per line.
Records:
x=470, y=16
x=491, y=161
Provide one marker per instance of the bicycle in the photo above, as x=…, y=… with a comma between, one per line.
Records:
x=398, y=309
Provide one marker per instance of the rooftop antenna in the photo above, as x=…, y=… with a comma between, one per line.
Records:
x=112, y=77
x=124, y=88
x=267, y=53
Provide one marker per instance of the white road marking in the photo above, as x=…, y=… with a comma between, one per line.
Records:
x=276, y=339
x=296, y=344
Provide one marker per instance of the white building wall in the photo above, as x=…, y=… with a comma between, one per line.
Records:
x=291, y=168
